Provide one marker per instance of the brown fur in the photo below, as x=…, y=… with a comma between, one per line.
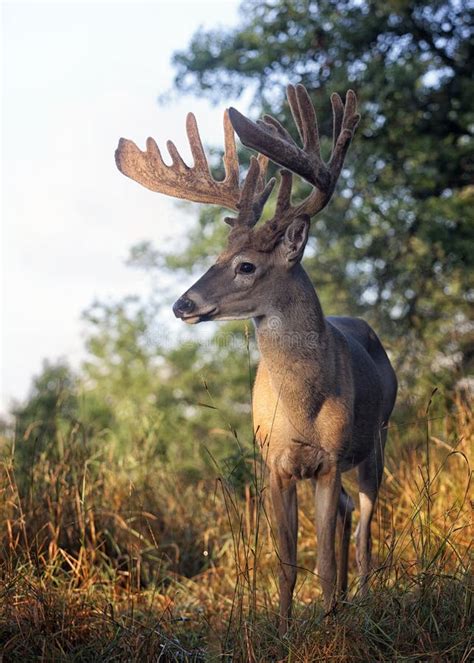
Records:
x=264, y=237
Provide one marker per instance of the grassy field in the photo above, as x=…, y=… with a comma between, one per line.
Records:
x=116, y=559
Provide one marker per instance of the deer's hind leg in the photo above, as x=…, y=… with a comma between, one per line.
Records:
x=370, y=477
x=345, y=508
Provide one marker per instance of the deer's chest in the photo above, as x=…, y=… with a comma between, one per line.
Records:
x=287, y=444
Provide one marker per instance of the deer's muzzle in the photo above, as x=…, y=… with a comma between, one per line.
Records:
x=184, y=306
x=187, y=310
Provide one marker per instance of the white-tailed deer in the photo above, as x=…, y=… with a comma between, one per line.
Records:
x=325, y=388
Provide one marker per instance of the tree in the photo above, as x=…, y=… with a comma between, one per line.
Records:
x=397, y=243
x=179, y=402
x=46, y=418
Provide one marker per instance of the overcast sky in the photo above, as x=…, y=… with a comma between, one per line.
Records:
x=76, y=77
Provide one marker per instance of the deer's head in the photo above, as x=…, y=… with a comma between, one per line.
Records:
x=252, y=270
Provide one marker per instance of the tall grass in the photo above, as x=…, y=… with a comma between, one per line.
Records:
x=106, y=559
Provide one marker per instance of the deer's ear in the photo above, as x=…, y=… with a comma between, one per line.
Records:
x=295, y=238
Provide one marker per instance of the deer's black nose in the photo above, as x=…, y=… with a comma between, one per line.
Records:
x=183, y=306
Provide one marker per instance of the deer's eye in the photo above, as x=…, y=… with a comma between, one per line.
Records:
x=246, y=268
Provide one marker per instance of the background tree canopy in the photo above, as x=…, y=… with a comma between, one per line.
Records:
x=395, y=245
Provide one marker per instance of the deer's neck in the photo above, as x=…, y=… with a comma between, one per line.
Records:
x=295, y=345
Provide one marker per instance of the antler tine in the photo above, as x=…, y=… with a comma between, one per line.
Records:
x=195, y=143
x=249, y=189
x=305, y=116
x=254, y=195
x=347, y=126
x=283, y=205
x=230, y=159
x=180, y=180
x=295, y=109
x=279, y=128
x=263, y=162
x=345, y=121
x=261, y=199
x=337, y=115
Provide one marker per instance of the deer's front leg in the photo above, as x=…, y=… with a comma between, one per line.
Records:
x=285, y=506
x=328, y=488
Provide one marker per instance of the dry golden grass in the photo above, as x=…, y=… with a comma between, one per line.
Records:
x=97, y=568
